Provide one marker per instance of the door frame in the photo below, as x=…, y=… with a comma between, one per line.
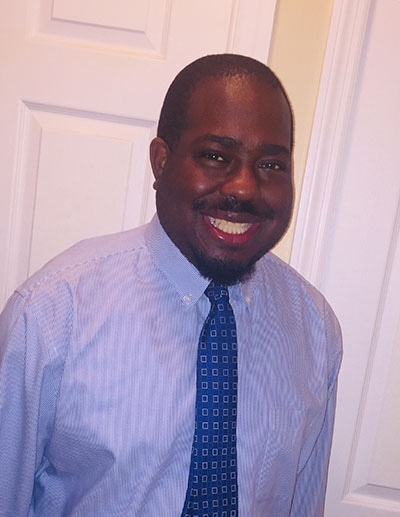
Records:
x=323, y=171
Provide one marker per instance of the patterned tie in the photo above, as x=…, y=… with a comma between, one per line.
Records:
x=212, y=488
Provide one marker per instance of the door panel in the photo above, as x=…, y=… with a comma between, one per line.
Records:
x=81, y=88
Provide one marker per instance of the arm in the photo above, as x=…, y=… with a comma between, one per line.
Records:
x=309, y=495
x=27, y=403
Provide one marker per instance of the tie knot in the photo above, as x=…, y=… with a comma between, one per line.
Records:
x=215, y=292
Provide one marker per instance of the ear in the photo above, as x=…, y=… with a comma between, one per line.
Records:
x=159, y=152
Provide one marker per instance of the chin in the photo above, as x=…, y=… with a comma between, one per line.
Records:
x=224, y=272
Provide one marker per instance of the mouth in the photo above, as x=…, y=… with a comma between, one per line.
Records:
x=231, y=233
x=230, y=227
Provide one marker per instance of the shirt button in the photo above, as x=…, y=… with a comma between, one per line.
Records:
x=187, y=298
x=248, y=300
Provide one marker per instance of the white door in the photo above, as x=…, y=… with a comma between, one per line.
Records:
x=348, y=243
x=81, y=85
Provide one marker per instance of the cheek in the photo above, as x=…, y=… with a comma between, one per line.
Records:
x=288, y=197
x=279, y=195
x=176, y=194
x=192, y=184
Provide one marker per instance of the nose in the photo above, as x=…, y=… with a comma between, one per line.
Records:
x=241, y=183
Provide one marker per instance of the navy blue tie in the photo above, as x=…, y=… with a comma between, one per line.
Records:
x=213, y=488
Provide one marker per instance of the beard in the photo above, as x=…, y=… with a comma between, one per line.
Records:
x=223, y=272
x=228, y=272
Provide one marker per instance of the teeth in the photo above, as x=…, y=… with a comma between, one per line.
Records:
x=229, y=226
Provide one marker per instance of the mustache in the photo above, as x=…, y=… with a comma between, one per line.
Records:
x=232, y=204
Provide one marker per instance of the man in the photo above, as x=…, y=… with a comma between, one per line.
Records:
x=100, y=410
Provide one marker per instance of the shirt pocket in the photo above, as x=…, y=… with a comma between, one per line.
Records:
x=287, y=433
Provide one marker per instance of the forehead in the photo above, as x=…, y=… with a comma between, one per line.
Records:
x=240, y=103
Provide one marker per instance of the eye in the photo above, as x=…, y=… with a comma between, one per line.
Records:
x=216, y=157
x=272, y=166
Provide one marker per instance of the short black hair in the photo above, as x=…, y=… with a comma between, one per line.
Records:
x=173, y=112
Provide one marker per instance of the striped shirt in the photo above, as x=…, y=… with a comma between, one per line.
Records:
x=97, y=384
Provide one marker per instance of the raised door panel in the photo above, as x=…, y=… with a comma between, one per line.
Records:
x=142, y=26
x=77, y=174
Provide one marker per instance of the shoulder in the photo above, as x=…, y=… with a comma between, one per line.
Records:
x=108, y=253
x=283, y=280
x=281, y=286
x=298, y=312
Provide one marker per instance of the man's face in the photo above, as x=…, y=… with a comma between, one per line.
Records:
x=224, y=193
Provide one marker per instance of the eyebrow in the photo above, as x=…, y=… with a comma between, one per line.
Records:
x=232, y=143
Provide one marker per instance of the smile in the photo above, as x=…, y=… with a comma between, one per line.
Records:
x=229, y=226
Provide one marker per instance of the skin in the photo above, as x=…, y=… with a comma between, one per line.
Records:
x=224, y=193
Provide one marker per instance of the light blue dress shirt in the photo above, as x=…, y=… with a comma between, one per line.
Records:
x=97, y=385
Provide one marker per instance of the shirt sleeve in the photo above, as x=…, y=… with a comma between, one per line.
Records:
x=309, y=495
x=28, y=390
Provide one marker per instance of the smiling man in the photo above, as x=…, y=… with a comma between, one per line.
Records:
x=178, y=368
x=224, y=189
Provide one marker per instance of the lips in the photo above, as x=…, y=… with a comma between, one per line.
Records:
x=230, y=227
x=231, y=233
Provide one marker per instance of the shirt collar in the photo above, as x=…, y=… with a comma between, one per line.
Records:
x=181, y=273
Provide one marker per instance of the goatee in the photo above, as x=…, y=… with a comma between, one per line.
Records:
x=223, y=272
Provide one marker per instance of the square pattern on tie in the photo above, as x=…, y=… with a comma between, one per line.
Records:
x=212, y=488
